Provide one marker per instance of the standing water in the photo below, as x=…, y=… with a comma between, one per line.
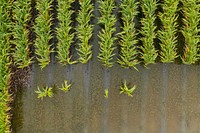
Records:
x=166, y=100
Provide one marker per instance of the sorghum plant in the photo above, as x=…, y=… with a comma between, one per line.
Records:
x=84, y=30
x=5, y=97
x=106, y=93
x=21, y=15
x=167, y=34
x=106, y=35
x=64, y=33
x=66, y=86
x=42, y=29
x=149, y=53
x=190, y=30
x=44, y=92
x=126, y=90
x=128, y=34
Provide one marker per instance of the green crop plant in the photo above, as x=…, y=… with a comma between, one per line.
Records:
x=148, y=53
x=84, y=30
x=44, y=92
x=21, y=15
x=128, y=34
x=64, y=32
x=65, y=87
x=5, y=97
x=42, y=29
x=106, y=35
x=128, y=91
x=190, y=30
x=106, y=93
x=167, y=35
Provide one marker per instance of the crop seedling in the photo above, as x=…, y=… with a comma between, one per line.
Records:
x=45, y=92
x=106, y=93
x=84, y=30
x=149, y=53
x=190, y=31
x=128, y=35
x=106, y=36
x=21, y=15
x=128, y=91
x=65, y=87
x=167, y=35
x=42, y=29
x=64, y=32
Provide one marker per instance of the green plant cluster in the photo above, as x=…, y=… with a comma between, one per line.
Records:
x=128, y=91
x=84, y=30
x=106, y=92
x=44, y=92
x=48, y=91
x=66, y=86
x=5, y=97
x=190, y=30
x=21, y=16
x=128, y=34
x=64, y=32
x=148, y=53
x=167, y=35
x=106, y=35
x=42, y=29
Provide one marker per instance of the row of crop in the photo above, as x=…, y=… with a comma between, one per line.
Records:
x=191, y=30
x=128, y=35
x=4, y=67
x=21, y=16
x=79, y=36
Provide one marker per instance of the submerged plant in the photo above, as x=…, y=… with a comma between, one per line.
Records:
x=106, y=93
x=64, y=32
x=190, y=31
x=128, y=34
x=106, y=36
x=42, y=29
x=45, y=92
x=21, y=15
x=149, y=53
x=84, y=30
x=128, y=91
x=65, y=87
x=167, y=35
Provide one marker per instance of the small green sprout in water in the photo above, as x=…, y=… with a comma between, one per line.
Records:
x=106, y=93
x=65, y=87
x=46, y=91
x=126, y=90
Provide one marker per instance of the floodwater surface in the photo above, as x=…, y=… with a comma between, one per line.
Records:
x=167, y=100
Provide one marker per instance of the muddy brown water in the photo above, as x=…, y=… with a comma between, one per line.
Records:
x=167, y=100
